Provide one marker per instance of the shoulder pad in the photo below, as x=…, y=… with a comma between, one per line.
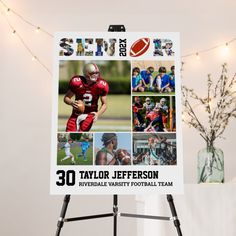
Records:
x=103, y=86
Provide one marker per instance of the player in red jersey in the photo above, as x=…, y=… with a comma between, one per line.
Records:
x=88, y=88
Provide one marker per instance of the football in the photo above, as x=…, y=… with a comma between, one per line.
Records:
x=139, y=47
x=81, y=107
x=123, y=156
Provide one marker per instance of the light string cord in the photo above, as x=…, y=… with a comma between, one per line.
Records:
x=25, y=45
x=8, y=9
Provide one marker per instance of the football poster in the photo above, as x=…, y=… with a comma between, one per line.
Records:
x=116, y=121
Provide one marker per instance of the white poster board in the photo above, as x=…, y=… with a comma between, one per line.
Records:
x=116, y=126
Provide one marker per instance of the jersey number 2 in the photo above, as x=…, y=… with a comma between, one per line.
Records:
x=88, y=99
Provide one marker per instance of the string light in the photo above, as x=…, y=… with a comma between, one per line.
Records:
x=225, y=45
x=34, y=58
x=226, y=48
x=197, y=56
x=37, y=30
x=14, y=32
x=8, y=10
x=224, y=51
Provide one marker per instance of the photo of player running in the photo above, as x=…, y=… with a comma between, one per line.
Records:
x=68, y=154
x=154, y=149
x=87, y=90
x=112, y=149
x=94, y=96
x=153, y=114
x=74, y=149
x=153, y=77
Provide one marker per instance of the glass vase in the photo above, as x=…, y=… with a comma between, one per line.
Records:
x=210, y=165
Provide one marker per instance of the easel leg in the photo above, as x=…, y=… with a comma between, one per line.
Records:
x=174, y=214
x=62, y=215
x=115, y=211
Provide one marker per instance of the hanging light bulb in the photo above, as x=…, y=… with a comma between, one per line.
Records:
x=226, y=46
x=197, y=56
x=224, y=50
x=37, y=29
x=8, y=11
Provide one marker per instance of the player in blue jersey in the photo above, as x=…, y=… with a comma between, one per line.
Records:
x=147, y=77
x=99, y=51
x=165, y=80
x=84, y=146
x=172, y=78
x=138, y=84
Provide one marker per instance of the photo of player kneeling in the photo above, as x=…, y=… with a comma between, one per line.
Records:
x=74, y=149
x=153, y=77
x=112, y=149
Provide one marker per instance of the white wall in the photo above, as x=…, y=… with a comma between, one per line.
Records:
x=25, y=101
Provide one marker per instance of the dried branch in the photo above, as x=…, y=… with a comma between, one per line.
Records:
x=220, y=105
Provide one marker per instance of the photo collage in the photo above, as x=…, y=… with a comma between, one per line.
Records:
x=115, y=112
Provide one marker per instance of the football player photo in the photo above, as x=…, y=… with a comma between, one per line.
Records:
x=154, y=149
x=154, y=114
x=74, y=149
x=112, y=149
x=153, y=77
x=94, y=96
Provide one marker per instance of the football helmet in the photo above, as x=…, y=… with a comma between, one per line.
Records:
x=163, y=101
x=148, y=100
x=91, y=71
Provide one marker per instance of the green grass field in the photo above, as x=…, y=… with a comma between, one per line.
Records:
x=117, y=117
x=75, y=150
